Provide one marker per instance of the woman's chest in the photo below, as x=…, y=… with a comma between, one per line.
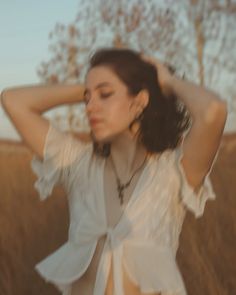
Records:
x=146, y=211
x=116, y=201
x=150, y=202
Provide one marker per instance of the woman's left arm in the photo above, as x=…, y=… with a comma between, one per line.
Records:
x=209, y=113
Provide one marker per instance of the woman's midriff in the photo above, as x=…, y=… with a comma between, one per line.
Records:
x=85, y=284
x=129, y=286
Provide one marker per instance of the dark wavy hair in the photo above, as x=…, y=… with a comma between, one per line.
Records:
x=164, y=119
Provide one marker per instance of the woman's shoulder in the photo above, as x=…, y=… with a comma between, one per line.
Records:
x=166, y=157
x=164, y=165
x=81, y=145
x=65, y=146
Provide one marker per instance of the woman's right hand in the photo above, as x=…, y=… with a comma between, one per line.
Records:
x=164, y=73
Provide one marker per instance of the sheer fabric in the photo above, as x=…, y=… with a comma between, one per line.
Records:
x=145, y=240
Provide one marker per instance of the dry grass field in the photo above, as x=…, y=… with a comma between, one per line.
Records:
x=30, y=229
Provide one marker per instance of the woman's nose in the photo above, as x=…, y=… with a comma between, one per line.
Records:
x=91, y=105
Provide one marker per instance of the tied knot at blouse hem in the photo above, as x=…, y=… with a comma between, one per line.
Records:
x=146, y=238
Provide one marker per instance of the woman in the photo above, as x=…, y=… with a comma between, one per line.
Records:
x=129, y=188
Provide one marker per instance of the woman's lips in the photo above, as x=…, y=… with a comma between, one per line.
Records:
x=94, y=122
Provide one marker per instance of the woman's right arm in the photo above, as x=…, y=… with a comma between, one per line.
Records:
x=24, y=106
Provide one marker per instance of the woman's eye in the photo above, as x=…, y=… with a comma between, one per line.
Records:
x=86, y=99
x=105, y=95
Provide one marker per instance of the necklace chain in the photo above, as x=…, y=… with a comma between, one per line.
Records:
x=122, y=186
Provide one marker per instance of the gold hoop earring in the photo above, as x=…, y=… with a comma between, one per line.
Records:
x=135, y=124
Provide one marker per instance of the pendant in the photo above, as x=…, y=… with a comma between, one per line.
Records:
x=120, y=189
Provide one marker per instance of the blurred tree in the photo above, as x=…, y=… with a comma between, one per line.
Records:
x=198, y=37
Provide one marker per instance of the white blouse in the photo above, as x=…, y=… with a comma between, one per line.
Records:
x=145, y=239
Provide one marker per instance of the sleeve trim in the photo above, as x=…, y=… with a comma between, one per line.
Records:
x=193, y=201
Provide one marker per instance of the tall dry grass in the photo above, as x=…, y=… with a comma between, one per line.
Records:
x=207, y=255
x=30, y=229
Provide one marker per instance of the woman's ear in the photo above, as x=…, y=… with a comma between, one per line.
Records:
x=143, y=98
x=139, y=102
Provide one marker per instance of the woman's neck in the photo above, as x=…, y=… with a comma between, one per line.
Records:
x=127, y=154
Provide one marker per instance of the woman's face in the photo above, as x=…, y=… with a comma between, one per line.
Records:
x=108, y=104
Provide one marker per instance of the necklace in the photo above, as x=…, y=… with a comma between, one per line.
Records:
x=122, y=186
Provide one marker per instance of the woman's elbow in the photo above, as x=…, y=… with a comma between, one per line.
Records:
x=4, y=98
x=10, y=98
x=217, y=111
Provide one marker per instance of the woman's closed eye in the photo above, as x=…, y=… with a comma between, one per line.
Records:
x=103, y=95
x=106, y=95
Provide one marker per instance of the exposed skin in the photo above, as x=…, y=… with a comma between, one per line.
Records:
x=115, y=109
x=108, y=101
x=25, y=105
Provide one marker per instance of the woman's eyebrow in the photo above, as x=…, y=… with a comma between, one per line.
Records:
x=100, y=85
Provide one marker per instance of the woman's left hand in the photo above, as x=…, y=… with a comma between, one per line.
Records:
x=165, y=74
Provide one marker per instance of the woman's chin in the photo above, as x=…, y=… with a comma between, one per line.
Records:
x=102, y=139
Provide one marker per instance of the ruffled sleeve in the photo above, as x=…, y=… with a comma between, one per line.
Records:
x=61, y=150
x=195, y=202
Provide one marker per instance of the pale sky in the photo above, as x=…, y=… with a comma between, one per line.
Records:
x=24, y=30
x=24, y=35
